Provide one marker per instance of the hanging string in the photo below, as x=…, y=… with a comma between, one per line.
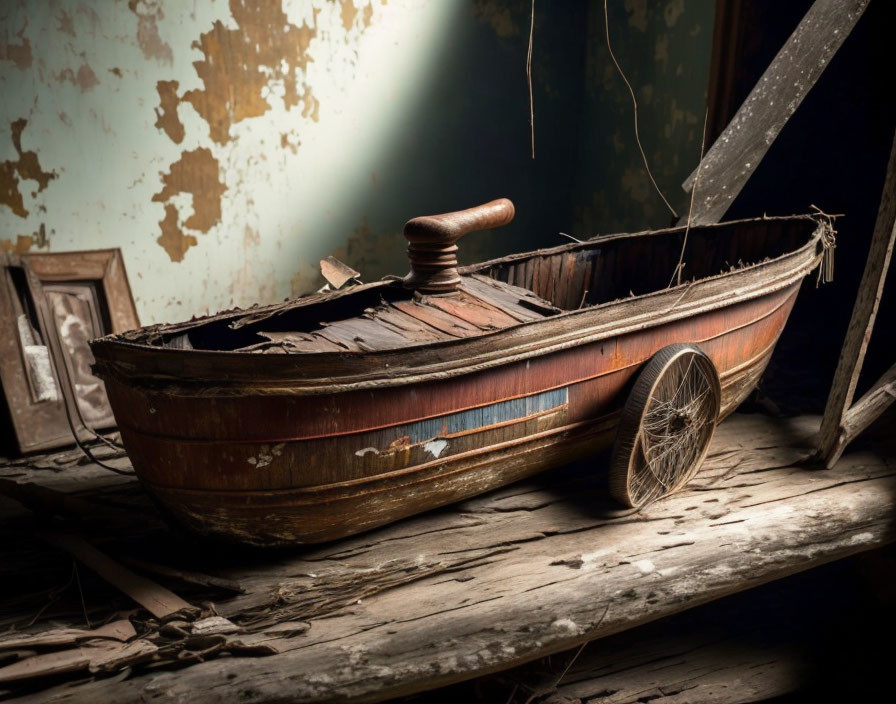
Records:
x=635, y=105
x=676, y=275
x=81, y=446
x=529, y=77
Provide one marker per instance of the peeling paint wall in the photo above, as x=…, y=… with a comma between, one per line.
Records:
x=226, y=146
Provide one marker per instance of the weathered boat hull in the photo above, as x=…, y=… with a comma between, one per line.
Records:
x=362, y=421
x=282, y=465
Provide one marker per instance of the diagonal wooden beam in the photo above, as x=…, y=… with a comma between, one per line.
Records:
x=835, y=432
x=868, y=408
x=737, y=152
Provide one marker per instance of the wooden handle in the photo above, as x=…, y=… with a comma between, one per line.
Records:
x=432, y=240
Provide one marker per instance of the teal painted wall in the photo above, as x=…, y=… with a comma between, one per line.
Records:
x=226, y=147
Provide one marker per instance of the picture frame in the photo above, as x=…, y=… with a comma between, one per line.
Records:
x=51, y=304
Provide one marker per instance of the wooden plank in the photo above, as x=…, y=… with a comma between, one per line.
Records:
x=120, y=630
x=415, y=329
x=302, y=342
x=187, y=576
x=536, y=568
x=832, y=439
x=750, y=647
x=160, y=602
x=437, y=319
x=737, y=152
x=868, y=408
x=46, y=665
x=368, y=335
x=471, y=310
x=96, y=655
x=519, y=301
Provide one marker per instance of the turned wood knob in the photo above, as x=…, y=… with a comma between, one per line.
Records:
x=432, y=246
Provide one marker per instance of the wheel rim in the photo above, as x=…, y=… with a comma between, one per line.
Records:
x=666, y=425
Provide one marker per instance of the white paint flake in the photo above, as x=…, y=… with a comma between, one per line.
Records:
x=436, y=447
x=266, y=455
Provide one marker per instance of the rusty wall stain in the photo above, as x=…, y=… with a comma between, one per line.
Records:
x=497, y=13
x=637, y=14
x=19, y=54
x=307, y=279
x=238, y=68
x=673, y=11
x=148, y=13
x=24, y=243
x=84, y=78
x=66, y=25
x=27, y=166
x=39, y=238
x=372, y=253
x=166, y=113
x=240, y=63
x=311, y=105
x=348, y=14
x=286, y=143
x=251, y=237
x=173, y=239
x=195, y=173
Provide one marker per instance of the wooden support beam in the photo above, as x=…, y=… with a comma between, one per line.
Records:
x=737, y=152
x=870, y=407
x=836, y=430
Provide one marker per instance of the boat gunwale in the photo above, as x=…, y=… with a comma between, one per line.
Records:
x=382, y=368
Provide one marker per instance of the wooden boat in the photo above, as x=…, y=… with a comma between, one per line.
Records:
x=338, y=412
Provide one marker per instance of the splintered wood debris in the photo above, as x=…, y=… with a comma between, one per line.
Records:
x=423, y=319
x=336, y=273
x=176, y=633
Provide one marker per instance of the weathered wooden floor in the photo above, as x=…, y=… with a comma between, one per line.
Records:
x=536, y=568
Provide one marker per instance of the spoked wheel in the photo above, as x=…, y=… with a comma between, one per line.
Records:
x=666, y=425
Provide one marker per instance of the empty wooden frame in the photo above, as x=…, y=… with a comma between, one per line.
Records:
x=50, y=306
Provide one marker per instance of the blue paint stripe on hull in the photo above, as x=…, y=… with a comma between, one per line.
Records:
x=482, y=417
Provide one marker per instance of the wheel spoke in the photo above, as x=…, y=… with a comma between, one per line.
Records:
x=675, y=419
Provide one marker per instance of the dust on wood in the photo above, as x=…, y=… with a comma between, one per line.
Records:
x=742, y=145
